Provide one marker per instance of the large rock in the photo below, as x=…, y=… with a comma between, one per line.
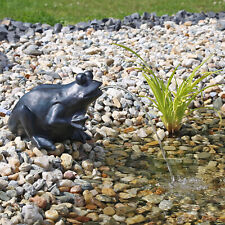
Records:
x=3, y=32
x=221, y=24
x=4, y=62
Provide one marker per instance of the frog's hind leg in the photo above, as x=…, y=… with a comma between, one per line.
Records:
x=42, y=142
x=13, y=122
x=27, y=120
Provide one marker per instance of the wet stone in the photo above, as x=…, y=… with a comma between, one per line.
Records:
x=165, y=205
x=110, y=211
x=87, y=165
x=135, y=220
x=154, y=199
x=203, y=155
x=169, y=148
x=120, y=187
x=104, y=198
x=126, y=195
x=108, y=192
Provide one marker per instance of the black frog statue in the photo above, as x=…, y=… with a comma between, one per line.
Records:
x=54, y=112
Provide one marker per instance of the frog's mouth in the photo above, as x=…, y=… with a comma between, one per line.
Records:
x=95, y=92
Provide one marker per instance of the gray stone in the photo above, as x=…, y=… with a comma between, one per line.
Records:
x=52, y=176
x=3, y=184
x=221, y=24
x=31, y=215
x=66, y=197
x=32, y=50
x=218, y=103
x=19, y=190
x=85, y=185
x=39, y=184
x=57, y=28
x=3, y=33
x=4, y=62
x=11, y=193
x=4, y=196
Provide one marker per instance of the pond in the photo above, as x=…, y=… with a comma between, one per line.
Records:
x=138, y=174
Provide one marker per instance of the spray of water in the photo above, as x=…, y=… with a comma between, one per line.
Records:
x=150, y=121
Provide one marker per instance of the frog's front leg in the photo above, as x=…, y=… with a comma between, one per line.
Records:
x=55, y=116
x=78, y=121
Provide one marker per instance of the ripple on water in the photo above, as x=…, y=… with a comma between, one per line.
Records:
x=187, y=184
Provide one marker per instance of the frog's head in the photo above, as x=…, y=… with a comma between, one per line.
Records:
x=87, y=89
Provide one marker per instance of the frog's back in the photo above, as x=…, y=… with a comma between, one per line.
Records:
x=40, y=99
x=48, y=86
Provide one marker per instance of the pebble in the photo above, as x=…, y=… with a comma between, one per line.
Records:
x=3, y=184
x=203, y=155
x=67, y=161
x=31, y=214
x=32, y=50
x=52, y=214
x=5, y=169
x=153, y=198
x=135, y=220
x=42, y=161
x=161, y=134
x=165, y=205
x=108, y=192
x=87, y=165
x=4, y=196
x=39, y=201
x=69, y=174
x=110, y=211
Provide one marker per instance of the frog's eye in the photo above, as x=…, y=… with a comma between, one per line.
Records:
x=89, y=74
x=81, y=78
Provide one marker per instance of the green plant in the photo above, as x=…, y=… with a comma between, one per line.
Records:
x=172, y=104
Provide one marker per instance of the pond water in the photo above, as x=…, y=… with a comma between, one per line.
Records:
x=198, y=194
